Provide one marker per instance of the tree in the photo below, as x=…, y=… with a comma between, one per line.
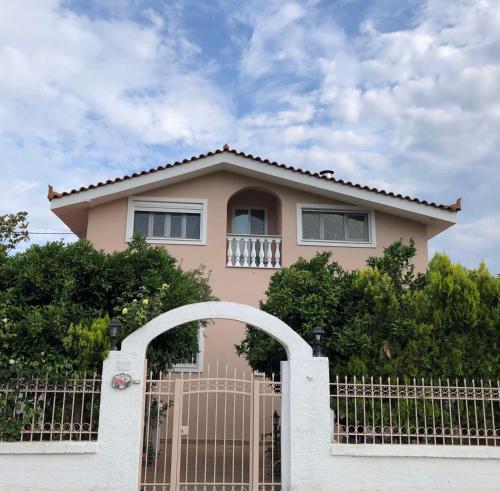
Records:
x=56, y=301
x=13, y=230
x=385, y=320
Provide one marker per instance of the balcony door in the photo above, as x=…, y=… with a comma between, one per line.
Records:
x=249, y=221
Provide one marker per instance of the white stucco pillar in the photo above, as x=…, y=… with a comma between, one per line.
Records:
x=120, y=421
x=305, y=407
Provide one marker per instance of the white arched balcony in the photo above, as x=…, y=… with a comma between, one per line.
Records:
x=254, y=230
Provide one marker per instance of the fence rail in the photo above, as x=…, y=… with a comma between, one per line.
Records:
x=45, y=410
x=410, y=412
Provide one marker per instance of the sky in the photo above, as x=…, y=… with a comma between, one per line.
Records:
x=399, y=95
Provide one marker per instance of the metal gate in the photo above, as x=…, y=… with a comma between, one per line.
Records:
x=206, y=432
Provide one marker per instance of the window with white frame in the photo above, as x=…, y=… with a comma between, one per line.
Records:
x=195, y=361
x=167, y=220
x=335, y=225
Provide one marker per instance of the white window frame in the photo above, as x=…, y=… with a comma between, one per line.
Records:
x=197, y=366
x=249, y=209
x=372, y=238
x=168, y=205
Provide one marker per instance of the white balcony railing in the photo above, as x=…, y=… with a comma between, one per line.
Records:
x=258, y=251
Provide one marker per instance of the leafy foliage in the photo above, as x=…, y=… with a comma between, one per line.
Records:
x=13, y=230
x=56, y=302
x=385, y=320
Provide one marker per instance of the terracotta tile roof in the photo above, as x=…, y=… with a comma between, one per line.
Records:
x=54, y=195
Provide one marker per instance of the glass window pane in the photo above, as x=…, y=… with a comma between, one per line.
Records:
x=257, y=222
x=158, y=224
x=241, y=224
x=193, y=226
x=141, y=222
x=310, y=225
x=175, y=225
x=334, y=226
x=357, y=227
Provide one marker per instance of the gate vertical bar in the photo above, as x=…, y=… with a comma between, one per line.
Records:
x=176, y=436
x=254, y=441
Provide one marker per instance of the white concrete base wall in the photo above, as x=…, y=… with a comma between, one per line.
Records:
x=351, y=468
x=50, y=472
x=412, y=468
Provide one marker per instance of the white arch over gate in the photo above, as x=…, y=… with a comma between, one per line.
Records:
x=305, y=408
x=296, y=348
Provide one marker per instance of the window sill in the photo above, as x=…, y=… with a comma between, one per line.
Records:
x=159, y=240
x=326, y=243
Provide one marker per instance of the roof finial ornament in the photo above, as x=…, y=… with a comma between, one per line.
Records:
x=225, y=147
x=457, y=206
x=51, y=194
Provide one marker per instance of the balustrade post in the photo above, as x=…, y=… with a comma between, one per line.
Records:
x=237, y=259
x=229, y=251
x=269, y=254
x=253, y=254
x=245, y=252
x=261, y=253
x=277, y=254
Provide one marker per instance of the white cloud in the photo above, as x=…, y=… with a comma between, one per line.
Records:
x=287, y=36
x=429, y=91
x=132, y=77
x=474, y=234
x=474, y=241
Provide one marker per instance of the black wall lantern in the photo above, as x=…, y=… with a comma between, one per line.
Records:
x=114, y=329
x=318, y=334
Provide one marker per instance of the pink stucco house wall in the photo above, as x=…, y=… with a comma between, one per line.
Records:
x=242, y=218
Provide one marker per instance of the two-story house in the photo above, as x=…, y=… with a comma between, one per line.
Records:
x=243, y=217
